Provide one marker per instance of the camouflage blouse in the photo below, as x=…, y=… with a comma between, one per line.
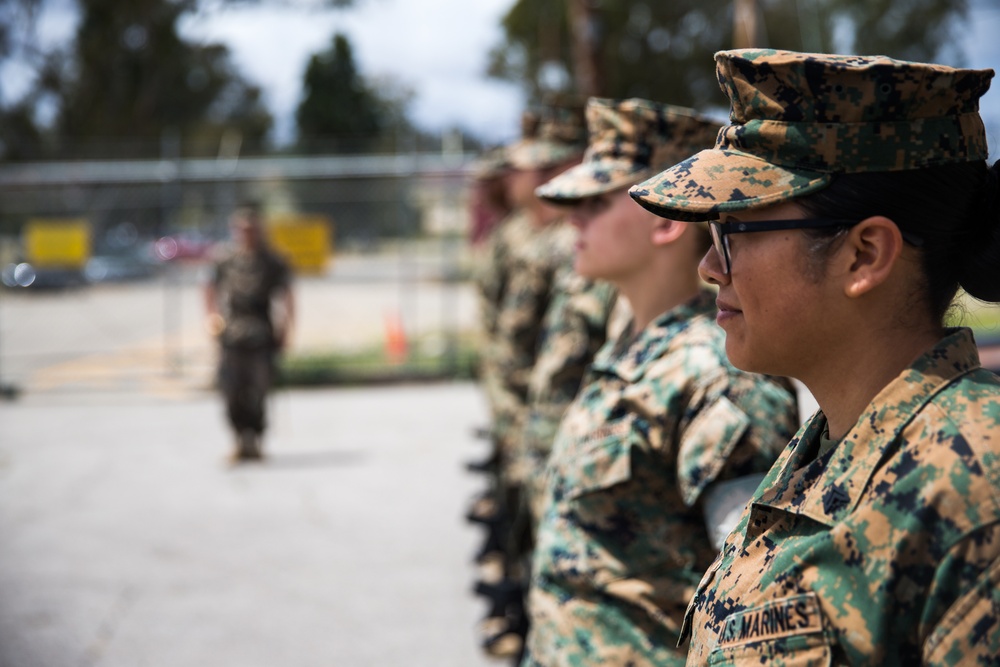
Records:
x=493, y=271
x=519, y=321
x=884, y=550
x=245, y=283
x=622, y=542
x=574, y=329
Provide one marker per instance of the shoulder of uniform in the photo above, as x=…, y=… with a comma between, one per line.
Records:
x=967, y=413
x=702, y=342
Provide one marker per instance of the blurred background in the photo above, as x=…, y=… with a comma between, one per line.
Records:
x=130, y=129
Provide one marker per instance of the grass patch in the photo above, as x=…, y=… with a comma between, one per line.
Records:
x=429, y=359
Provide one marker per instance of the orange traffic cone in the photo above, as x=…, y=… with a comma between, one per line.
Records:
x=396, y=347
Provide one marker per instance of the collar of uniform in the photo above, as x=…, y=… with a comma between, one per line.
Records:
x=630, y=356
x=835, y=492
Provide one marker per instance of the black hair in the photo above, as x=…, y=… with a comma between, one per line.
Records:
x=954, y=209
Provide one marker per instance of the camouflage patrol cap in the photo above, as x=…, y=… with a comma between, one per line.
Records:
x=491, y=164
x=560, y=136
x=797, y=119
x=630, y=140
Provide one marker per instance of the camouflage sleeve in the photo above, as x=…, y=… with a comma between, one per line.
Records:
x=735, y=425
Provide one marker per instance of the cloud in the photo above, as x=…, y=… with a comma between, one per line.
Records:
x=437, y=48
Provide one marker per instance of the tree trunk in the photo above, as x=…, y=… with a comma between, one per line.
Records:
x=746, y=24
x=585, y=29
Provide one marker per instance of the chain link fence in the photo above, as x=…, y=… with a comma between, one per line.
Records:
x=391, y=300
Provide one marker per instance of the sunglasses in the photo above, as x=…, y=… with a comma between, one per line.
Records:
x=721, y=231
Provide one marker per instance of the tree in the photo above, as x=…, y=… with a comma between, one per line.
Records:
x=663, y=50
x=131, y=74
x=340, y=110
x=19, y=134
x=126, y=73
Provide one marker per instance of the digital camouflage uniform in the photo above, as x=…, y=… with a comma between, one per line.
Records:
x=245, y=283
x=627, y=141
x=530, y=272
x=884, y=548
x=492, y=271
x=515, y=231
x=623, y=540
x=531, y=261
x=531, y=287
x=575, y=327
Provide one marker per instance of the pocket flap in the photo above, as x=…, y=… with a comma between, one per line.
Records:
x=706, y=445
x=603, y=461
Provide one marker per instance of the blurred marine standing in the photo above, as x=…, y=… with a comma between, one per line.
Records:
x=247, y=279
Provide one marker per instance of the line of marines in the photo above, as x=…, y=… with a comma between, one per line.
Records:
x=632, y=465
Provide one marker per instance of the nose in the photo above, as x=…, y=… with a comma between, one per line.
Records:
x=578, y=219
x=710, y=268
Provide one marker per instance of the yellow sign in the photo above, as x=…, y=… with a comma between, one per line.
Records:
x=305, y=240
x=57, y=243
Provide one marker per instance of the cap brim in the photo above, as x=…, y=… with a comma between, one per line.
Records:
x=539, y=154
x=717, y=181
x=590, y=179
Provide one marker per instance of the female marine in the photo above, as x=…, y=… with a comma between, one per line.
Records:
x=849, y=199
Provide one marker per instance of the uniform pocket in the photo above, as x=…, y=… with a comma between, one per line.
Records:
x=706, y=445
x=812, y=651
x=602, y=462
x=968, y=628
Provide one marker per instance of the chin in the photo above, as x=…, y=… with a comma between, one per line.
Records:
x=739, y=355
x=755, y=360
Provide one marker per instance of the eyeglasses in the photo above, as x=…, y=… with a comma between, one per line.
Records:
x=720, y=232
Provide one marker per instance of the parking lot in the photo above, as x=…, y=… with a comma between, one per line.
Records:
x=128, y=540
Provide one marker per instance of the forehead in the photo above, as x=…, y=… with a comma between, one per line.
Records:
x=788, y=210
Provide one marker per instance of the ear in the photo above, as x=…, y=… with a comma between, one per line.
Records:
x=666, y=231
x=873, y=246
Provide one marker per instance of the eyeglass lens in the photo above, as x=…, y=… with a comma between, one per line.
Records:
x=720, y=242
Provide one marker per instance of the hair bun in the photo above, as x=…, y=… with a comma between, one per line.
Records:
x=981, y=275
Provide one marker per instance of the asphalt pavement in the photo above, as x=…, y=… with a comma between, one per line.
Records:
x=127, y=540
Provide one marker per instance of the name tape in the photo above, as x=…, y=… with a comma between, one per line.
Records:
x=796, y=615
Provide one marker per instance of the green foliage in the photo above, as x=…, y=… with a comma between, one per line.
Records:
x=336, y=99
x=371, y=365
x=126, y=74
x=663, y=50
x=134, y=75
x=341, y=110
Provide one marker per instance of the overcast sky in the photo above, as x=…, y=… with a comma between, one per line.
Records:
x=438, y=48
